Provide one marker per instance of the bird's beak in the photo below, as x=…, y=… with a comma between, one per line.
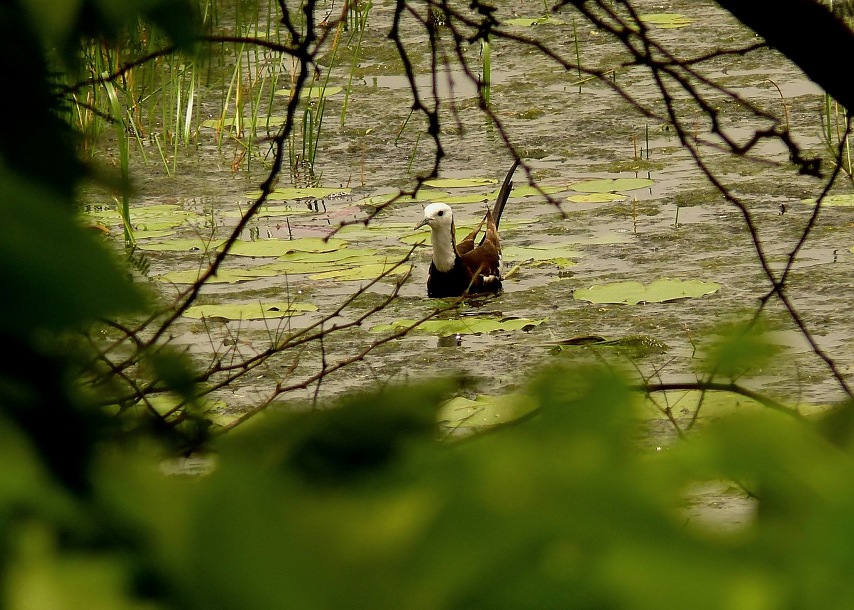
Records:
x=421, y=224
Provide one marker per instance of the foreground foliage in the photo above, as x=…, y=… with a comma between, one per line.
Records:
x=360, y=506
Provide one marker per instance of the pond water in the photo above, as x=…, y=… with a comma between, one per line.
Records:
x=679, y=227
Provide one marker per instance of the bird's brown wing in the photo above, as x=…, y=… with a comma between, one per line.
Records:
x=483, y=263
x=466, y=245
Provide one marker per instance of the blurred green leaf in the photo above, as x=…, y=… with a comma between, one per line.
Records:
x=56, y=275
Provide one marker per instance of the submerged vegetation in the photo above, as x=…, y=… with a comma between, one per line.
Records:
x=581, y=487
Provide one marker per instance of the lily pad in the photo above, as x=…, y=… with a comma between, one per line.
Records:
x=527, y=190
x=459, y=182
x=250, y=311
x=658, y=291
x=612, y=185
x=527, y=22
x=223, y=276
x=462, y=326
x=461, y=412
x=666, y=20
x=840, y=200
x=290, y=193
x=362, y=272
x=278, y=247
x=558, y=255
x=596, y=197
x=184, y=244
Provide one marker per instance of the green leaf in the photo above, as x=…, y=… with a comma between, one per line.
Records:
x=633, y=293
x=484, y=411
x=316, y=192
x=739, y=350
x=558, y=254
x=459, y=182
x=278, y=247
x=250, y=311
x=60, y=276
x=362, y=272
x=839, y=200
x=534, y=21
x=612, y=185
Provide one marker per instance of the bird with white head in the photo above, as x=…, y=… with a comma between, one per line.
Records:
x=465, y=268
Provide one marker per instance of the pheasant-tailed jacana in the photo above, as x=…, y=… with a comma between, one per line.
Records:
x=460, y=268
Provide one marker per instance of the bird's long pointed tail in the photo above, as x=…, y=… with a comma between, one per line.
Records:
x=504, y=194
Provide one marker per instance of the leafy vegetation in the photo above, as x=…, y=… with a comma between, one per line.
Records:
x=385, y=499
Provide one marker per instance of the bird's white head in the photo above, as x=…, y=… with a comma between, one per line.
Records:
x=440, y=218
x=437, y=216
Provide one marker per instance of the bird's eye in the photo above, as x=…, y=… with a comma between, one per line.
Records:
x=440, y=213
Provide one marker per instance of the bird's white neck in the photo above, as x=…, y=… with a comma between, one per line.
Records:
x=444, y=250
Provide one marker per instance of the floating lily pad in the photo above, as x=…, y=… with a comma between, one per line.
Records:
x=362, y=272
x=462, y=326
x=612, y=185
x=459, y=182
x=271, y=211
x=527, y=22
x=290, y=193
x=278, y=247
x=527, y=190
x=250, y=311
x=461, y=412
x=596, y=197
x=841, y=200
x=658, y=291
x=184, y=244
x=666, y=20
x=558, y=255
x=223, y=276
x=313, y=92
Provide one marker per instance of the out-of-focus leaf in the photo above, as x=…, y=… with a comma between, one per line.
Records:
x=55, y=273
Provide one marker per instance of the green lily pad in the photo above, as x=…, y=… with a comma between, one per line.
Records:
x=596, y=197
x=271, y=211
x=527, y=190
x=841, y=200
x=527, y=22
x=666, y=20
x=250, y=311
x=558, y=255
x=290, y=193
x=462, y=326
x=278, y=247
x=459, y=182
x=612, y=185
x=330, y=256
x=461, y=412
x=659, y=291
x=223, y=276
x=184, y=244
x=313, y=92
x=362, y=272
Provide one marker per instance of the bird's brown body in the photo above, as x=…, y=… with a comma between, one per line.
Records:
x=466, y=267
